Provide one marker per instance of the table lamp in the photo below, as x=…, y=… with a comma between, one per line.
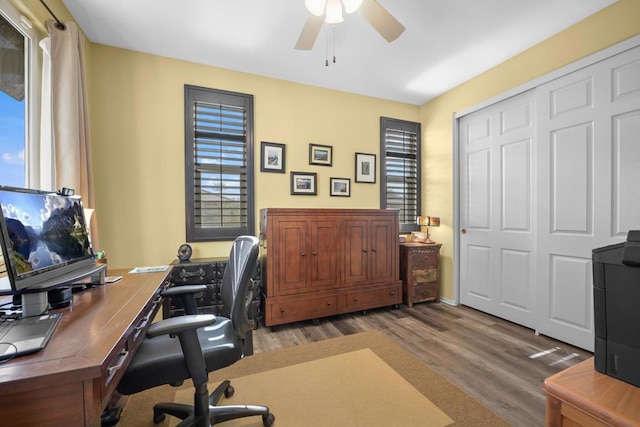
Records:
x=425, y=222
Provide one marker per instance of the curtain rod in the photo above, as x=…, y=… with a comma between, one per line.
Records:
x=59, y=25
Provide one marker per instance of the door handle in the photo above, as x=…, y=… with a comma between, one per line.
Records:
x=463, y=231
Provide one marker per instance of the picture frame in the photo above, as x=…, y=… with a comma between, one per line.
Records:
x=340, y=187
x=272, y=157
x=366, y=168
x=304, y=183
x=321, y=155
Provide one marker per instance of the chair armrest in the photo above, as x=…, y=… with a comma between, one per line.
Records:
x=175, y=325
x=183, y=289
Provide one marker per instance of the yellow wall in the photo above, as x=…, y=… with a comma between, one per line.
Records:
x=137, y=129
x=616, y=23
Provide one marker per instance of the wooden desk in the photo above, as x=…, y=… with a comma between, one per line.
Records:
x=582, y=396
x=70, y=382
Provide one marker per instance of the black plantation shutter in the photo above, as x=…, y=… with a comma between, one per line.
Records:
x=219, y=176
x=400, y=188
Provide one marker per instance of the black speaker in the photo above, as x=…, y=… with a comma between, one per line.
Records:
x=60, y=297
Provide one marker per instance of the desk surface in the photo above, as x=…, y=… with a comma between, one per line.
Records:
x=86, y=355
x=601, y=396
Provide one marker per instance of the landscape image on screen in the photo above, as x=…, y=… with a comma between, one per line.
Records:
x=45, y=230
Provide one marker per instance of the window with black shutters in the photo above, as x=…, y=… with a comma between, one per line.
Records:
x=400, y=143
x=219, y=164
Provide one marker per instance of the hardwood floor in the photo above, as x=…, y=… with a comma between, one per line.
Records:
x=501, y=364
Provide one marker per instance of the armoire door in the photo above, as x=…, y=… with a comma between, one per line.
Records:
x=382, y=250
x=291, y=267
x=322, y=255
x=497, y=258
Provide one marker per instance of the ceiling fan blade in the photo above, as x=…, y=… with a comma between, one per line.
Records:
x=388, y=26
x=309, y=32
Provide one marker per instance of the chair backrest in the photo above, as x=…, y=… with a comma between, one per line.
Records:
x=236, y=291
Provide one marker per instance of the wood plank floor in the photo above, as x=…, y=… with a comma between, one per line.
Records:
x=501, y=364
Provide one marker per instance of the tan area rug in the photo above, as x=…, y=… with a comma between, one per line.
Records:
x=350, y=389
x=385, y=363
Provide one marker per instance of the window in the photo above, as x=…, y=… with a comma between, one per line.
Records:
x=400, y=143
x=219, y=164
x=14, y=47
x=20, y=80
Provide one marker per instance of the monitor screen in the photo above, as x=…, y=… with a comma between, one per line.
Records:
x=44, y=234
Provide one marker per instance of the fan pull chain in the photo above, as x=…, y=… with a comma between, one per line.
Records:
x=334, y=44
x=326, y=45
x=326, y=54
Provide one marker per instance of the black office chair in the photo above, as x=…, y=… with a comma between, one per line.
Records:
x=163, y=359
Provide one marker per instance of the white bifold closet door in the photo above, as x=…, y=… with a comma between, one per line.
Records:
x=547, y=176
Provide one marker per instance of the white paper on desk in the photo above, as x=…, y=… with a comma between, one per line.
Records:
x=152, y=269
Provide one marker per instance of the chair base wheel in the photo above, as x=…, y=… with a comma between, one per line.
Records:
x=158, y=418
x=228, y=392
x=268, y=420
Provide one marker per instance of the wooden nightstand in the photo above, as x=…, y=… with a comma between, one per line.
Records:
x=419, y=272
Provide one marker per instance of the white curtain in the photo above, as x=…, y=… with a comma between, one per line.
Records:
x=47, y=172
x=65, y=98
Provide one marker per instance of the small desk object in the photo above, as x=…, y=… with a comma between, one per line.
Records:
x=70, y=382
x=420, y=272
x=582, y=396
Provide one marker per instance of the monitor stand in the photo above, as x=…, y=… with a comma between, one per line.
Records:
x=37, y=303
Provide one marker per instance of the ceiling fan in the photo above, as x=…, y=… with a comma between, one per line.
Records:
x=330, y=11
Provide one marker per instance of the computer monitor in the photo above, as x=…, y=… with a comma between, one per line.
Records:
x=45, y=244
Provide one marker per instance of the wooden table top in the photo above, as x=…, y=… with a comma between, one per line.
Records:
x=598, y=394
x=89, y=329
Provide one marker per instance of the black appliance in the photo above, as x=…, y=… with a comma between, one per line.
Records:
x=616, y=296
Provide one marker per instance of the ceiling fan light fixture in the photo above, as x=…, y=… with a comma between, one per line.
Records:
x=315, y=7
x=334, y=12
x=351, y=6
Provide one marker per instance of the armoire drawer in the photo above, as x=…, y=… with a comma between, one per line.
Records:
x=368, y=298
x=307, y=308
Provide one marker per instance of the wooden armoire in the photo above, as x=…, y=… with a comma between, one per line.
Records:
x=322, y=262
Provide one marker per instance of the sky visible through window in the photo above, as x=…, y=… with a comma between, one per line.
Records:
x=11, y=141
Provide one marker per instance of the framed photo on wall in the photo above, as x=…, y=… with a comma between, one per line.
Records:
x=366, y=168
x=304, y=183
x=272, y=157
x=340, y=187
x=320, y=155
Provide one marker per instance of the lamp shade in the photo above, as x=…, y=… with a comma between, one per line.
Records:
x=334, y=12
x=315, y=7
x=351, y=6
x=429, y=221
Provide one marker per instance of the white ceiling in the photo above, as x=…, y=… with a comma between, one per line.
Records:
x=446, y=42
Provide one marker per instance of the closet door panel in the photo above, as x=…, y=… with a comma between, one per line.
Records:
x=593, y=198
x=497, y=188
x=571, y=195
x=570, y=304
x=626, y=172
